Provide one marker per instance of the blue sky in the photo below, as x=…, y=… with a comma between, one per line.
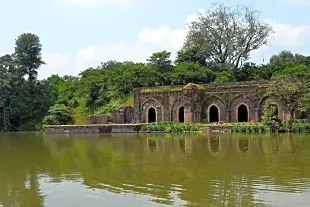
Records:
x=81, y=33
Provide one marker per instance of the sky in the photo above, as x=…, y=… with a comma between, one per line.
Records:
x=77, y=34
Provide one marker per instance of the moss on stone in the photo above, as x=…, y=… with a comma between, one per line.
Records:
x=169, y=88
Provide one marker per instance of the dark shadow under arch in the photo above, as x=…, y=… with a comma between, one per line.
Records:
x=214, y=114
x=152, y=115
x=181, y=114
x=243, y=114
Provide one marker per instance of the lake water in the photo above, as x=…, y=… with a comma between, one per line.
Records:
x=154, y=170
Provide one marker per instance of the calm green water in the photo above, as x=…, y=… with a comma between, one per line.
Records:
x=154, y=170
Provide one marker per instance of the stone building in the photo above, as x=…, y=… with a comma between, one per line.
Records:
x=229, y=102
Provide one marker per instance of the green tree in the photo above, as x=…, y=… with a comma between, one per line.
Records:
x=58, y=114
x=227, y=35
x=190, y=54
x=191, y=72
x=6, y=92
x=225, y=77
x=246, y=73
x=292, y=91
x=27, y=54
x=270, y=118
x=287, y=59
x=163, y=64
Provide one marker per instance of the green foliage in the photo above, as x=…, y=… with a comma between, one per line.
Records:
x=248, y=128
x=58, y=114
x=292, y=91
x=24, y=99
x=270, y=118
x=224, y=77
x=190, y=55
x=174, y=127
x=27, y=54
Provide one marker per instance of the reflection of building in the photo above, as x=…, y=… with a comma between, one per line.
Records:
x=230, y=102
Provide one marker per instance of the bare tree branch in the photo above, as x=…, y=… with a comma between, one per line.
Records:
x=227, y=35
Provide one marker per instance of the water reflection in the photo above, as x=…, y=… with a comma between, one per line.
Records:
x=153, y=170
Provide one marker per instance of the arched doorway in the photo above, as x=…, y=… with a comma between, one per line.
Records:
x=181, y=114
x=152, y=115
x=213, y=114
x=243, y=114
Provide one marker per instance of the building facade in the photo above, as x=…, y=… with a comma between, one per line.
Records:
x=229, y=102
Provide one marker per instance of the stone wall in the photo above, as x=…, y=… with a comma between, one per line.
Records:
x=98, y=119
x=123, y=114
x=92, y=129
x=230, y=102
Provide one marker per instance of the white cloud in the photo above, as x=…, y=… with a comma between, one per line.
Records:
x=285, y=37
x=289, y=35
x=153, y=39
x=97, y=2
x=149, y=40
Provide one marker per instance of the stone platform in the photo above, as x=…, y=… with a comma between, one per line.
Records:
x=92, y=128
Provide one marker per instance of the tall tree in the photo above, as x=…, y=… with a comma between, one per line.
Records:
x=30, y=101
x=28, y=54
x=6, y=92
x=161, y=60
x=227, y=35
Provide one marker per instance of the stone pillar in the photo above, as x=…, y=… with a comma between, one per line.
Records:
x=136, y=106
x=188, y=114
x=257, y=115
x=227, y=115
x=188, y=117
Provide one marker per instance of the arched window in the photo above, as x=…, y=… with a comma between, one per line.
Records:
x=152, y=115
x=214, y=114
x=243, y=114
x=181, y=114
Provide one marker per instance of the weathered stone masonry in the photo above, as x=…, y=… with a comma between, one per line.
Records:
x=230, y=102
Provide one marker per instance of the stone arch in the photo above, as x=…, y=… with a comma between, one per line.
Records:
x=242, y=113
x=181, y=115
x=213, y=113
x=267, y=99
x=151, y=103
x=175, y=109
x=213, y=100
x=151, y=115
x=238, y=101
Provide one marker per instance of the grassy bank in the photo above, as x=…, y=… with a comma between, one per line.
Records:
x=172, y=127
x=299, y=126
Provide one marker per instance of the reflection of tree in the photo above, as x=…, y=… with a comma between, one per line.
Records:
x=152, y=164
x=156, y=165
x=19, y=169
